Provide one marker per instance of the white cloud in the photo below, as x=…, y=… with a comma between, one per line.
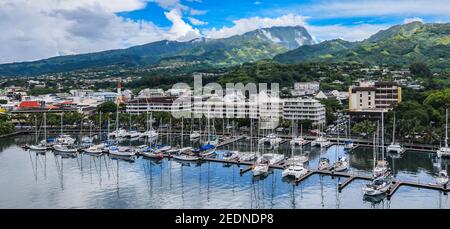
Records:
x=257, y=3
x=413, y=19
x=40, y=29
x=349, y=33
x=180, y=29
x=195, y=21
x=244, y=25
x=364, y=8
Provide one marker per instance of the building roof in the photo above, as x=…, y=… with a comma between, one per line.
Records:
x=29, y=104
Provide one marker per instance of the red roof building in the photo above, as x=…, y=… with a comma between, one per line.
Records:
x=29, y=104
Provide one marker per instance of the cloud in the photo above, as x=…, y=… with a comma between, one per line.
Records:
x=195, y=21
x=349, y=33
x=180, y=29
x=413, y=19
x=38, y=29
x=364, y=8
x=244, y=25
x=197, y=12
x=257, y=3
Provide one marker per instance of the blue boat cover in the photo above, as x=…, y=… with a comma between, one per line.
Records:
x=206, y=147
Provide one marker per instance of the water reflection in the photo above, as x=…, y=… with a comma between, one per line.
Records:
x=34, y=180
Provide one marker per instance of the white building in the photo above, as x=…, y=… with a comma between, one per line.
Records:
x=150, y=92
x=305, y=88
x=304, y=109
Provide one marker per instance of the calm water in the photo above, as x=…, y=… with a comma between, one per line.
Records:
x=28, y=180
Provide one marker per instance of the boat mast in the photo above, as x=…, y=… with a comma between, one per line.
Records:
x=182, y=130
x=62, y=115
x=117, y=119
x=446, y=128
x=100, y=125
x=251, y=135
x=382, y=135
x=393, y=132
x=45, y=127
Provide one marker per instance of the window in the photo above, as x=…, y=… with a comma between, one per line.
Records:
x=369, y=103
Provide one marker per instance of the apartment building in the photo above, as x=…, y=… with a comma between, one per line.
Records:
x=304, y=109
x=373, y=97
x=305, y=88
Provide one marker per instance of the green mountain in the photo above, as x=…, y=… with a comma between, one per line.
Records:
x=252, y=46
x=398, y=45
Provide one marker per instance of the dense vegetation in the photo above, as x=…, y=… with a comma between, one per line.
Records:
x=398, y=45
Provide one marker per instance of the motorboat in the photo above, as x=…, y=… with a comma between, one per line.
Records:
x=324, y=163
x=261, y=167
x=271, y=139
x=121, y=151
x=377, y=187
x=230, y=155
x=120, y=133
x=65, y=139
x=442, y=178
x=185, y=157
x=39, y=147
x=64, y=149
x=395, y=147
x=302, y=159
x=247, y=156
x=321, y=142
x=298, y=141
x=273, y=158
x=296, y=170
x=133, y=134
x=381, y=169
x=341, y=165
x=95, y=150
x=195, y=136
x=152, y=154
x=348, y=144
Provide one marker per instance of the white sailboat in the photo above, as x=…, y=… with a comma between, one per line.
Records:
x=341, y=163
x=42, y=146
x=321, y=141
x=348, y=142
x=381, y=168
x=298, y=140
x=295, y=167
x=445, y=151
x=394, y=146
x=64, y=139
x=377, y=187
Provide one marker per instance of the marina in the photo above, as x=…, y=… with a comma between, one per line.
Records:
x=113, y=174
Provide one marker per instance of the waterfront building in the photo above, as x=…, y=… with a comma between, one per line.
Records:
x=372, y=98
x=304, y=109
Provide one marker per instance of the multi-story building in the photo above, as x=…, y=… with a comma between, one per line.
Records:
x=157, y=104
x=304, y=109
x=372, y=98
x=305, y=88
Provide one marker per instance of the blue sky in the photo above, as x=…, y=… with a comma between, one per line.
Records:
x=40, y=29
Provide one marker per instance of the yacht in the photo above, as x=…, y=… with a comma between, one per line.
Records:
x=261, y=167
x=273, y=158
x=377, y=187
x=119, y=133
x=324, y=163
x=195, y=136
x=121, y=151
x=381, y=169
x=207, y=150
x=297, y=159
x=65, y=139
x=271, y=140
x=296, y=170
x=152, y=154
x=394, y=146
x=445, y=151
x=341, y=165
x=442, y=178
x=322, y=142
x=38, y=147
x=133, y=134
x=185, y=157
x=64, y=149
x=231, y=155
x=96, y=149
x=298, y=141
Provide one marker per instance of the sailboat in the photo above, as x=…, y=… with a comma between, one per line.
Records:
x=324, y=163
x=248, y=156
x=64, y=139
x=195, y=135
x=42, y=146
x=296, y=167
x=341, y=163
x=442, y=178
x=321, y=141
x=381, y=168
x=297, y=140
x=445, y=151
x=394, y=146
x=348, y=142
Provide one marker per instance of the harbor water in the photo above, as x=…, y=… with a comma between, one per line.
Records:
x=31, y=180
